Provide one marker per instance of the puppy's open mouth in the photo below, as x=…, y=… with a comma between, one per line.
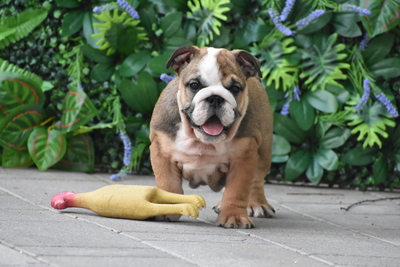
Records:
x=213, y=126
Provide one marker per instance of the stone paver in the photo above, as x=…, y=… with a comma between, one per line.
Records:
x=309, y=228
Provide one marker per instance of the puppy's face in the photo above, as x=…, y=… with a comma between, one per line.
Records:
x=212, y=94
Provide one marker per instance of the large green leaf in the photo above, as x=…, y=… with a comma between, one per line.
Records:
x=384, y=16
x=387, y=68
x=21, y=24
x=89, y=29
x=297, y=164
x=381, y=168
x=142, y=95
x=322, y=100
x=16, y=158
x=359, y=156
x=323, y=63
x=288, y=128
x=134, y=63
x=378, y=48
x=327, y=159
x=280, y=146
x=72, y=22
x=79, y=156
x=46, y=147
x=345, y=24
x=334, y=138
x=16, y=90
x=303, y=113
x=102, y=72
x=77, y=110
x=314, y=171
x=171, y=23
x=16, y=126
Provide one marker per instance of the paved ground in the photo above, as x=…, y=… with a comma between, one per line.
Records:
x=309, y=229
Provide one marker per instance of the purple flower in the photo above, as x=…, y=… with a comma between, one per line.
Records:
x=128, y=8
x=364, y=42
x=285, y=108
x=307, y=20
x=282, y=28
x=166, y=78
x=286, y=10
x=106, y=7
x=80, y=86
x=353, y=8
x=365, y=96
x=391, y=109
x=127, y=148
x=115, y=176
x=296, y=93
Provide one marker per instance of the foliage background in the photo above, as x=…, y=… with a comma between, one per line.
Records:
x=331, y=69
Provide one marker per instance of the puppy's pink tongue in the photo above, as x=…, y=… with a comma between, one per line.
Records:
x=213, y=126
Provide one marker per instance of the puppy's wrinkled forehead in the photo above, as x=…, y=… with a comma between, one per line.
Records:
x=208, y=66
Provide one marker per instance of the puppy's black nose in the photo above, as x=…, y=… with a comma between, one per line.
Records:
x=215, y=101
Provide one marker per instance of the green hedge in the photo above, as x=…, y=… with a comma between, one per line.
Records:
x=79, y=80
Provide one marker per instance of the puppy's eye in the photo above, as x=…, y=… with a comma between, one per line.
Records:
x=235, y=89
x=194, y=86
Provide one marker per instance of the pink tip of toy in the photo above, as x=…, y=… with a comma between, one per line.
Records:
x=59, y=202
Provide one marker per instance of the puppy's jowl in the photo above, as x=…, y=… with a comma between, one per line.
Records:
x=213, y=125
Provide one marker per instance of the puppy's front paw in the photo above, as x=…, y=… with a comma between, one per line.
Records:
x=235, y=221
x=260, y=210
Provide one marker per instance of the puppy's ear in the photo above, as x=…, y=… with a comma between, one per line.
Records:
x=248, y=63
x=181, y=58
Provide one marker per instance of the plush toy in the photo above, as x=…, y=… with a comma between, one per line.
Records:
x=131, y=202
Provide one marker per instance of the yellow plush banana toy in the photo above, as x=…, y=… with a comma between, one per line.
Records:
x=131, y=202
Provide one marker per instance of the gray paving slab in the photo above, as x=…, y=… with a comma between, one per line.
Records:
x=309, y=229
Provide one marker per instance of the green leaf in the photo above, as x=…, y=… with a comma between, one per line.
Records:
x=72, y=22
x=6, y=68
x=280, y=146
x=381, y=168
x=378, y=48
x=334, y=138
x=387, y=68
x=142, y=95
x=323, y=63
x=68, y=3
x=22, y=24
x=89, y=29
x=345, y=24
x=102, y=72
x=79, y=155
x=322, y=100
x=46, y=147
x=17, y=90
x=314, y=172
x=77, y=110
x=97, y=55
x=279, y=159
x=157, y=65
x=288, y=128
x=327, y=159
x=384, y=16
x=297, y=164
x=16, y=126
x=16, y=159
x=171, y=23
x=134, y=63
x=359, y=156
x=303, y=113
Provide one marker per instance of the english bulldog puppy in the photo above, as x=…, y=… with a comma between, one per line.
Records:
x=212, y=125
